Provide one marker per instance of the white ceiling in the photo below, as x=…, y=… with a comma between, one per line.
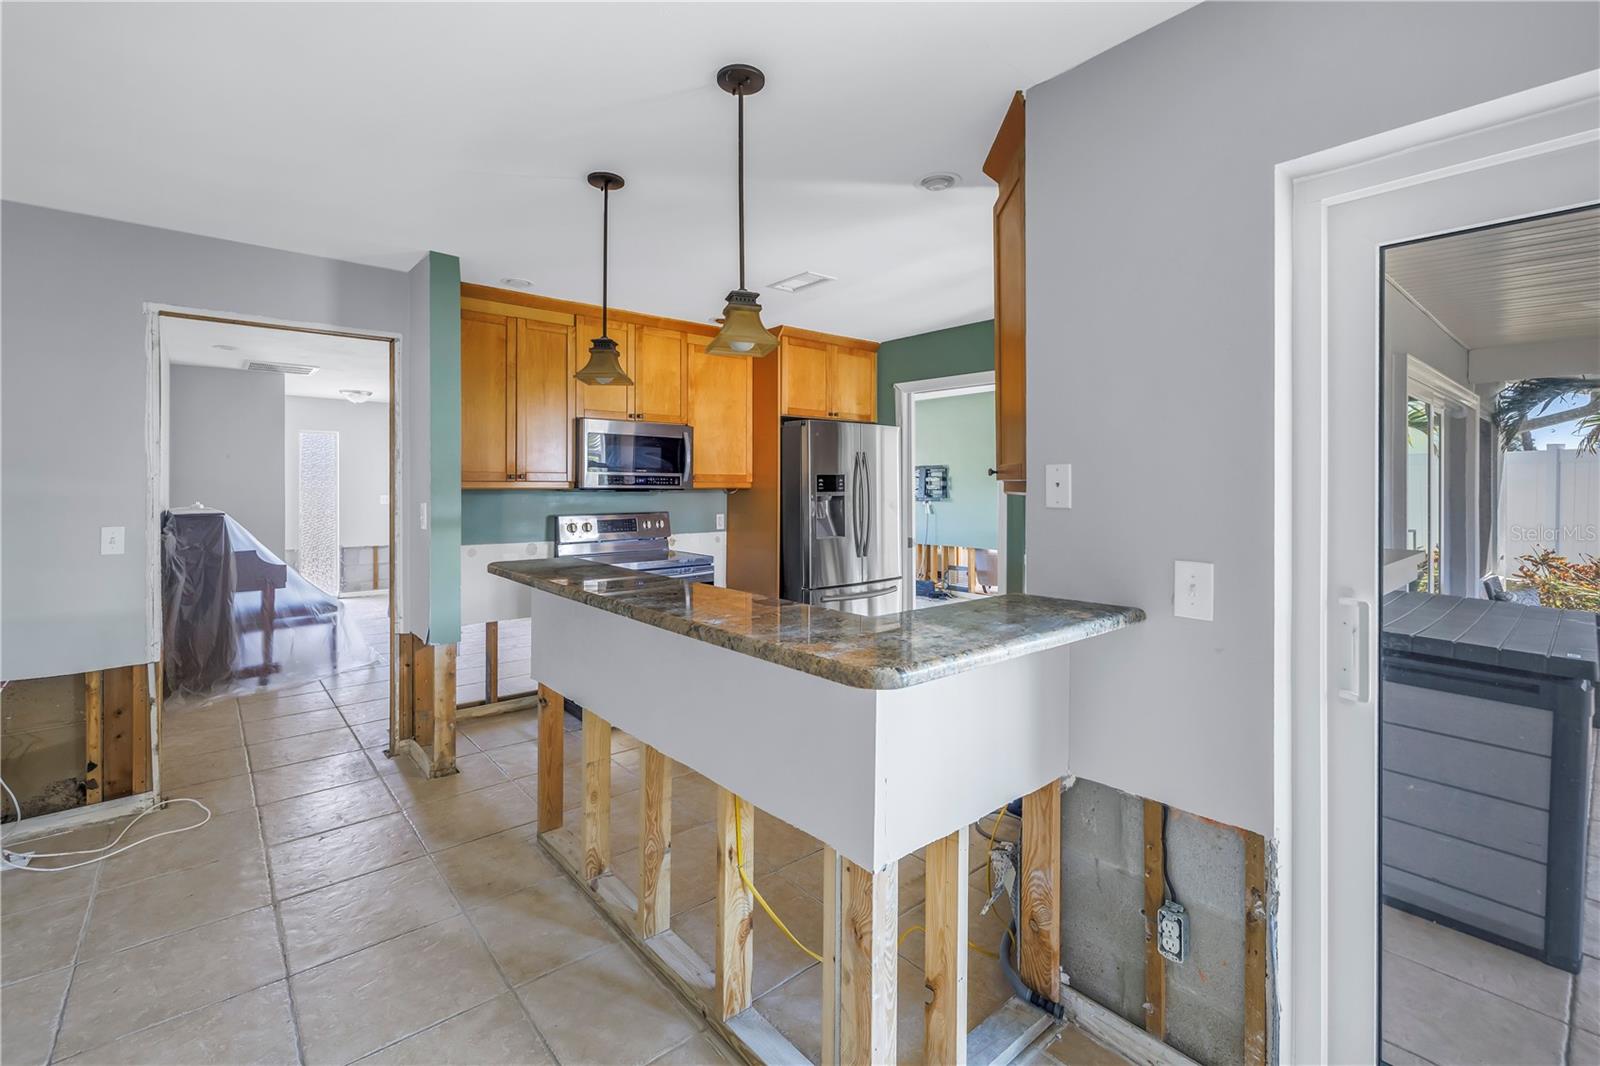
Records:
x=341, y=362
x=1522, y=283
x=373, y=132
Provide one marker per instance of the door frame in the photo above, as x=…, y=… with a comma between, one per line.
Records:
x=906, y=395
x=1326, y=971
x=158, y=409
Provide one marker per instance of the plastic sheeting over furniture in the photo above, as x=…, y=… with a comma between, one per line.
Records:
x=237, y=619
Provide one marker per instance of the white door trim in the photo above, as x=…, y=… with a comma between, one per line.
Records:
x=1326, y=967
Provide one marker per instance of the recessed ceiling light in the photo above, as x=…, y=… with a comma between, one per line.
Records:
x=356, y=395
x=939, y=182
x=226, y=347
x=803, y=280
x=517, y=283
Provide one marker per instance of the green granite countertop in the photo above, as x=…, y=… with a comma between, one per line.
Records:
x=892, y=651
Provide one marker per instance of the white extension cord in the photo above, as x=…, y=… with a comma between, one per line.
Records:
x=14, y=859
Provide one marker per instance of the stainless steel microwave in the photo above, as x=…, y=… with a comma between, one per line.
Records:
x=615, y=454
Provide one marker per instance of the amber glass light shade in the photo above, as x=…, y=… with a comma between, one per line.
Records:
x=742, y=332
x=604, y=366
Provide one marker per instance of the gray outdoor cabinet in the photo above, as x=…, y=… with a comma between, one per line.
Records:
x=1488, y=713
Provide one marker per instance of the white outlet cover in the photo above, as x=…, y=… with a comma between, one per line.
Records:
x=1193, y=590
x=722, y=521
x=113, y=540
x=1058, y=485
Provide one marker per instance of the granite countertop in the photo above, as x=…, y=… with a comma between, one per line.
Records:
x=892, y=651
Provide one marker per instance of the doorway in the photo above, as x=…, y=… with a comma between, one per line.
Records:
x=955, y=512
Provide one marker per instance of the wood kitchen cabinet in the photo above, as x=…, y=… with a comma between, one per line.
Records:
x=605, y=401
x=516, y=401
x=656, y=358
x=720, y=411
x=824, y=379
x=488, y=398
x=1005, y=166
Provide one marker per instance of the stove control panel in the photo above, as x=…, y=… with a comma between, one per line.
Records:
x=613, y=529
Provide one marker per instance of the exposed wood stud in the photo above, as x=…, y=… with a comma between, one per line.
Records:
x=491, y=662
x=116, y=733
x=1255, y=950
x=139, y=727
x=655, y=843
x=735, y=906
x=596, y=795
x=1039, y=889
x=403, y=717
x=860, y=964
x=92, y=712
x=552, y=739
x=945, y=951
x=422, y=695
x=1155, y=894
x=442, y=750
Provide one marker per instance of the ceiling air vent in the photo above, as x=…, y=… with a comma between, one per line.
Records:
x=280, y=368
x=803, y=280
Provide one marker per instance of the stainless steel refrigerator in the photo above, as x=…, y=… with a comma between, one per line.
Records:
x=841, y=516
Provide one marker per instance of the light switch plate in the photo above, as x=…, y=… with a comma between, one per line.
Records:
x=722, y=521
x=1058, y=485
x=113, y=540
x=423, y=511
x=1193, y=589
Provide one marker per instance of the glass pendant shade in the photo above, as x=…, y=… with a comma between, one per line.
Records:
x=742, y=332
x=604, y=366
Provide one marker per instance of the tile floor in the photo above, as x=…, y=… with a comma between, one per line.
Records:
x=339, y=907
x=1450, y=998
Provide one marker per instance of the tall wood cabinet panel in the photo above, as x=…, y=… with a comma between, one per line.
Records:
x=1005, y=165
x=488, y=398
x=853, y=383
x=720, y=412
x=805, y=378
x=605, y=401
x=660, y=374
x=544, y=403
x=823, y=379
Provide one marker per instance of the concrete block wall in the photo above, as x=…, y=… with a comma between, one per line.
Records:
x=1102, y=921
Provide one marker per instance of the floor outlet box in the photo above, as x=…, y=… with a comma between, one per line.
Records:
x=1172, y=931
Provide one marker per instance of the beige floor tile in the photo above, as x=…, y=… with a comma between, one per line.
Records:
x=43, y=938
x=1586, y=1004
x=253, y=694
x=777, y=843
x=252, y=1028
x=574, y=1008
x=1395, y=1055
x=410, y=787
x=363, y=673
x=222, y=834
x=1476, y=962
x=291, y=725
x=184, y=741
x=623, y=781
x=32, y=1008
x=373, y=735
x=121, y=993
x=1073, y=1047
x=698, y=1050
x=498, y=730
x=362, y=692
x=806, y=874
x=297, y=779
x=22, y=890
x=226, y=796
x=183, y=771
x=318, y=812
x=349, y=851
x=795, y=1009
x=694, y=868
x=342, y=919
x=170, y=903
x=363, y=1002
x=694, y=801
x=1446, y=1020
x=443, y=823
x=1585, y=1047
x=985, y=930
x=275, y=753
x=494, y=1032
x=490, y=867
x=777, y=959
x=516, y=760
x=374, y=710
x=534, y=930
x=311, y=699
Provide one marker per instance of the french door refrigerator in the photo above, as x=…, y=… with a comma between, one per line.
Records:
x=841, y=516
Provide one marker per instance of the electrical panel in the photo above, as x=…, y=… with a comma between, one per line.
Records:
x=932, y=484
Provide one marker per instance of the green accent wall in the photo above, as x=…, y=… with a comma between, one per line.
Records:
x=504, y=516
x=958, y=432
x=965, y=349
x=444, y=432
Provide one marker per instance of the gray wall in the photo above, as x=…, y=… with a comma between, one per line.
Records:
x=415, y=475
x=226, y=450
x=1150, y=319
x=72, y=411
x=363, y=466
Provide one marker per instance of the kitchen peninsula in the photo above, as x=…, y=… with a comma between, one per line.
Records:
x=878, y=736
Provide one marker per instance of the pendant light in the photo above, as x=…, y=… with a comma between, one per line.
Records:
x=742, y=332
x=604, y=366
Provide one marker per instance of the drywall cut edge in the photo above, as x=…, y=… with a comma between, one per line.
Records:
x=77, y=818
x=1111, y=1030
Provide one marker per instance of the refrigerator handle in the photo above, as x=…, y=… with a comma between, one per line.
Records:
x=855, y=500
x=866, y=495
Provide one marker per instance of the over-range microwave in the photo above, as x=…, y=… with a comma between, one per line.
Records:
x=616, y=454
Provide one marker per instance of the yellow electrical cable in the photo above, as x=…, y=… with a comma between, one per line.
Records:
x=738, y=844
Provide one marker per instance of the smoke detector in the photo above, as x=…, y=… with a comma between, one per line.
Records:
x=516, y=283
x=356, y=395
x=297, y=369
x=803, y=280
x=940, y=181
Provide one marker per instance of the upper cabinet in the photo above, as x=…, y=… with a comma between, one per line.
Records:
x=827, y=378
x=720, y=410
x=516, y=397
x=655, y=357
x=488, y=398
x=1005, y=166
x=605, y=401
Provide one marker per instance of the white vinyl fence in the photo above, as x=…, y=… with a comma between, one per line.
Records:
x=1549, y=499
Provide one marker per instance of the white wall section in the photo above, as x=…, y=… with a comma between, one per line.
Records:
x=363, y=466
x=226, y=447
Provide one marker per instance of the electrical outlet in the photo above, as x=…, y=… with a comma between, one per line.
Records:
x=1172, y=931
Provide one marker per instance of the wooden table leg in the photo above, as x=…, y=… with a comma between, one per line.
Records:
x=860, y=930
x=552, y=738
x=945, y=951
x=596, y=795
x=736, y=830
x=1039, y=889
x=655, y=843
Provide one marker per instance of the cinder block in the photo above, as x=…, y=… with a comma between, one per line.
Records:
x=1092, y=817
x=1203, y=1032
x=1214, y=970
x=1205, y=864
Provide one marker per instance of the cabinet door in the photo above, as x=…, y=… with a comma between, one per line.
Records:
x=544, y=403
x=720, y=412
x=488, y=398
x=1010, y=307
x=805, y=378
x=660, y=375
x=604, y=401
x=853, y=383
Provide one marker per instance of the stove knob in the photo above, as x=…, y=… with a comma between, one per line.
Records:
x=588, y=527
x=572, y=527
